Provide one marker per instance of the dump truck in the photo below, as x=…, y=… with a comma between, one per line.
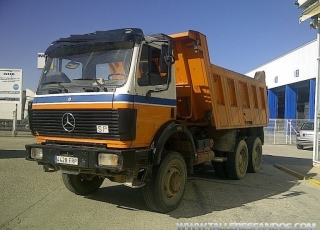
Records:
x=143, y=110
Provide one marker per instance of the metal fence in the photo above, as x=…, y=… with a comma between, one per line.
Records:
x=282, y=131
x=11, y=129
x=278, y=131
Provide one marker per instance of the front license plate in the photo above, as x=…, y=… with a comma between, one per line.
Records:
x=66, y=160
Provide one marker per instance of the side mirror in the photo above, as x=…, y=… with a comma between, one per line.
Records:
x=164, y=54
x=166, y=58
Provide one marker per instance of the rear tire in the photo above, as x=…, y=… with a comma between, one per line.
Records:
x=82, y=184
x=255, y=154
x=237, y=162
x=220, y=168
x=165, y=191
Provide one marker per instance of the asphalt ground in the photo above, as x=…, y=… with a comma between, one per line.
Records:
x=33, y=199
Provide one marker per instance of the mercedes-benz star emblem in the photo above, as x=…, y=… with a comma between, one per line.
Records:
x=68, y=122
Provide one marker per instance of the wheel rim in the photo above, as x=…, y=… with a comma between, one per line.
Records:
x=256, y=156
x=242, y=160
x=172, y=181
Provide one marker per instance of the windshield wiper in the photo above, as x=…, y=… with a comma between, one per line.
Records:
x=96, y=81
x=91, y=89
x=59, y=83
x=94, y=88
x=101, y=86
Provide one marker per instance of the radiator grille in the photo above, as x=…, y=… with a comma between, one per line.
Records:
x=49, y=123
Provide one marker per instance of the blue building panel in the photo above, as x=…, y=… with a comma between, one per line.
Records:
x=290, y=103
x=273, y=104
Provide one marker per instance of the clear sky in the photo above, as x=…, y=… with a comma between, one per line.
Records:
x=241, y=34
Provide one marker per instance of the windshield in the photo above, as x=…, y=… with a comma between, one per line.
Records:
x=86, y=68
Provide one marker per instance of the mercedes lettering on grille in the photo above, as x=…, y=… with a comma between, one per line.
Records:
x=68, y=122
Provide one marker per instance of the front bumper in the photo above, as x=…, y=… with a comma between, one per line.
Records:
x=88, y=156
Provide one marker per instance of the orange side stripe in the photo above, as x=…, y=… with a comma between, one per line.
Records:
x=109, y=143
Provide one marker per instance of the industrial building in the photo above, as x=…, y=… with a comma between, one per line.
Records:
x=291, y=82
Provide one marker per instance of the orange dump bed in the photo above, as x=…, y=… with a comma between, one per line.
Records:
x=206, y=91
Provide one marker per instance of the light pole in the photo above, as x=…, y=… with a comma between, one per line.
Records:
x=311, y=9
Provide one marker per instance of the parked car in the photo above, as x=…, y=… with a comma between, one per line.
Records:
x=305, y=135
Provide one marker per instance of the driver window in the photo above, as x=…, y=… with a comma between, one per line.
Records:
x=148, y=71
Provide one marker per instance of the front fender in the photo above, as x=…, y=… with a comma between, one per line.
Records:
x=164, y=134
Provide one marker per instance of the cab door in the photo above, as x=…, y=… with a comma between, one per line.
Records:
x=154, y=97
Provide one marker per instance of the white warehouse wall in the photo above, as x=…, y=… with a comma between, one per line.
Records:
x=303, y=59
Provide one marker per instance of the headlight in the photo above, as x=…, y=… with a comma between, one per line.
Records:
x=36, y=153
x=108, y=159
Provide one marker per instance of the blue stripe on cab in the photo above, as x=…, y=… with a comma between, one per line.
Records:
x=155, y=100
x=104, y=98
x=74, y=98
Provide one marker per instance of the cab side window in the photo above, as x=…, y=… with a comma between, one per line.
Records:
x=148, y=72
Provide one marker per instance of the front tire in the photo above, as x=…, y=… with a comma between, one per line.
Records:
x=165, y=191
x=237, y=162
x=255, y=154
x=299, y=146
x=82, y=184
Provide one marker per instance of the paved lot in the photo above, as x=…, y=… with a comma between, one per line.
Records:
x=33, y=199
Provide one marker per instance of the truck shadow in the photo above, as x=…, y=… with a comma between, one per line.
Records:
x=6, y=154
x=207, y=193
